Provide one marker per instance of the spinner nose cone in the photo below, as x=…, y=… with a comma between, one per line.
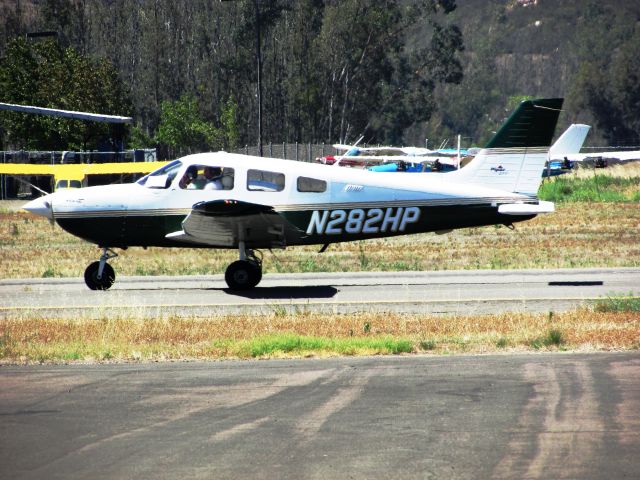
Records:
x=40, y=206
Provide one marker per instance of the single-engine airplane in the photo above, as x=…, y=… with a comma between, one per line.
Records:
x=223, y=200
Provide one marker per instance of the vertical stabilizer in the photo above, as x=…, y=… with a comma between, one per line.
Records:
x=515, y=157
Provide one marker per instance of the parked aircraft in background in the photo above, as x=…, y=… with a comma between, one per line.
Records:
x=621, y=155
x=568, y=143
x=260, y=203
x=412, y=159
x=415, y=159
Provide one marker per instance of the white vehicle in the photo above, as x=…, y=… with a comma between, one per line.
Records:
x=271, y=203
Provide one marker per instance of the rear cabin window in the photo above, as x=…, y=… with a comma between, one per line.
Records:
x=307, y=184
x=265, y=181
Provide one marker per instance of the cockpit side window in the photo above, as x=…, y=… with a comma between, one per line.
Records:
x=162, y=177
x=207, y=177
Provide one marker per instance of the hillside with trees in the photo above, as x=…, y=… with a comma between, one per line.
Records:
x=395, y=72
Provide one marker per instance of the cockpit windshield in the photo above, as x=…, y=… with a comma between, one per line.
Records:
x=162, y=177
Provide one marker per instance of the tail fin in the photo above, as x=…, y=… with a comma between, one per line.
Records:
x=515, y=157
x=569, y=142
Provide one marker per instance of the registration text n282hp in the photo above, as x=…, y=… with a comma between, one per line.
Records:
x=362, y=221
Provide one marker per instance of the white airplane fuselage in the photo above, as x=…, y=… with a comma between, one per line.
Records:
x=355, y=204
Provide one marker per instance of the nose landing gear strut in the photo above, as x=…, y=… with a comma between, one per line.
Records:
x=100, y=275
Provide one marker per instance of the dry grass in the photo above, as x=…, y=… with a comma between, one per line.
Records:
x=620, y=170
x=26, y=340
x=577, y=235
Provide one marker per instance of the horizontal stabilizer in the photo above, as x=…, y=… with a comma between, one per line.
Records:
x=526, y=208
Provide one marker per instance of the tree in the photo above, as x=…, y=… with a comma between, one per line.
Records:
x=372, y=85
x=183, y=129
x=46, y=75
x=610, y=91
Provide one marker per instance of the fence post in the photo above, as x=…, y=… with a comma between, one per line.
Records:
x=296, y=151
x=270, y=150
x=3, y=180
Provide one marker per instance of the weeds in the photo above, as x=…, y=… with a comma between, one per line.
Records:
x=553, y=338
x=595, y=188
x=618, y=304
x=49, y=273
x=428, y=345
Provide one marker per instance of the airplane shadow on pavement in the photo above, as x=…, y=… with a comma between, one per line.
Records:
x=319, y=291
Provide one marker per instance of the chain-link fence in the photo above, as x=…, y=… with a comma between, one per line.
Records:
x=303, y=152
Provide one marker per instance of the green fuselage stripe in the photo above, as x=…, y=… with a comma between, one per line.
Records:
x=146, y=231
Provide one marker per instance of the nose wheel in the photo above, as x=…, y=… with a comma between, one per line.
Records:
x=100, y=275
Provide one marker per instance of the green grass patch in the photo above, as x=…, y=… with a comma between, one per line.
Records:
x=599, y=188
x=428, y=345
x=553, y=338
x=618, y=304
x=299, y=345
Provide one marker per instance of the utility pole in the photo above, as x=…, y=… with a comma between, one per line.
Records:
x=259, y=60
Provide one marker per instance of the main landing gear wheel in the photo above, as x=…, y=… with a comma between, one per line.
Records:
x=99, y=282
x=243, y=275
x=100, y=275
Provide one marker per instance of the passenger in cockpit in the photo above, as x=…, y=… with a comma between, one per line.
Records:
x=213, y=177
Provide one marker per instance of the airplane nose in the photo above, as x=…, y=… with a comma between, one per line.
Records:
x=40, y=206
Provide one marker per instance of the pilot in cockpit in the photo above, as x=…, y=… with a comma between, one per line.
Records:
x=189, y=177
x=213, y=178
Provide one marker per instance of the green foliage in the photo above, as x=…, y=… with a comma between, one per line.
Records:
x=46, y=75
x=395, y=72
x=599, y=188
x=304, y=345
x=230, y=128
x=138, y=138
x=49, y=273
x=428, y=344
x=613, y=303
x=182, y=127
x=553, y=338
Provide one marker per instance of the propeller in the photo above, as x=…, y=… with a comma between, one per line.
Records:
x=52, y=217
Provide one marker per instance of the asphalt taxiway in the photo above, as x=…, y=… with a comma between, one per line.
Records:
x=505, y=416
x=439, y=292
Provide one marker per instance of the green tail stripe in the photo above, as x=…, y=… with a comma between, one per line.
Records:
x=531, y=125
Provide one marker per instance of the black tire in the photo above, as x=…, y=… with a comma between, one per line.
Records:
x=95, y=283
x=243, y=275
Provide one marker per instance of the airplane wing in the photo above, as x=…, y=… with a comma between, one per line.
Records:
x=224, y=223
x=620, y=155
